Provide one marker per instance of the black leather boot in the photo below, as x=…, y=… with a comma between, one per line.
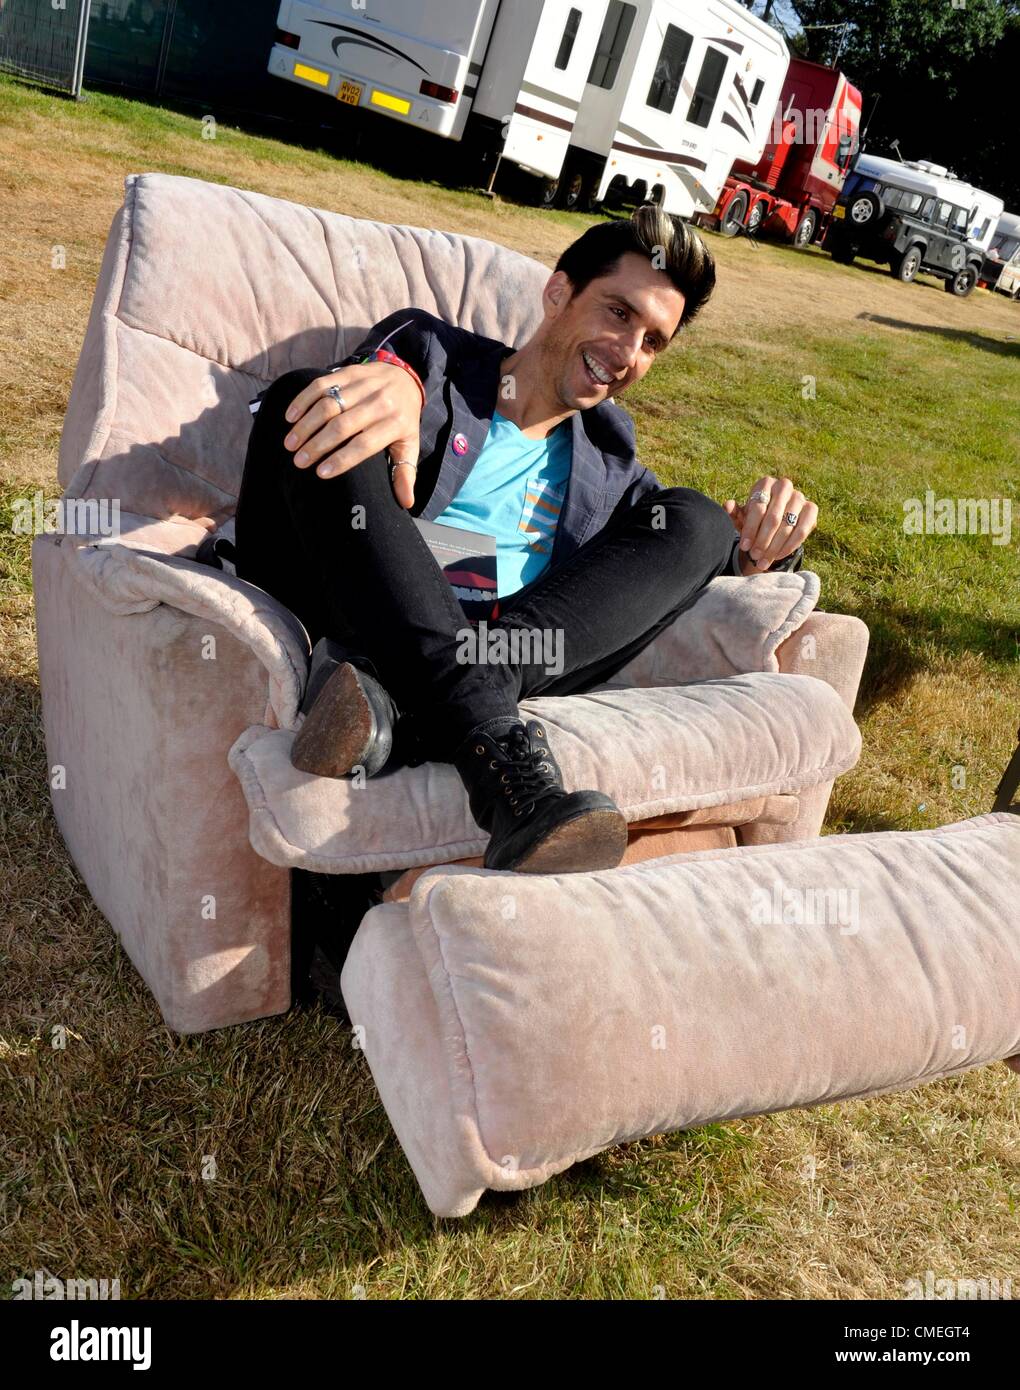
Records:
x=350, y=719
x=536, y=827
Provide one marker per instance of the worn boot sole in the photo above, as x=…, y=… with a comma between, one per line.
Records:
x=593, y=839
x=339, y=730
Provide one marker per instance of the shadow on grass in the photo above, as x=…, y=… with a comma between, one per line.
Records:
x=1005, y=348
x=900, y=636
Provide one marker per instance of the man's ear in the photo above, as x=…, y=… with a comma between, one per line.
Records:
x=558, y=289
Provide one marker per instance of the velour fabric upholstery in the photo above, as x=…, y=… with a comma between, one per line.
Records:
x=655, y=751
x=205, y=295
x=139, y=709
x=208, y=293
x=516, y=1024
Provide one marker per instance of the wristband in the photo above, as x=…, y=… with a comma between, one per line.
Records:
x=382, y=355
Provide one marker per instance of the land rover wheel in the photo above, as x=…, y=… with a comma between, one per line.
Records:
x=962, y=282
x=733, y=218
x=908, y=264
x=839, y=246
x=806, y=228
x=864, y=209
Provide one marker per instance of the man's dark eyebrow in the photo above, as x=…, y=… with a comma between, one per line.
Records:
x=664, y=338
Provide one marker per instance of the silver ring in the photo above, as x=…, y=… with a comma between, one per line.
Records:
x=404, y=463
x=765, y=497
x=337, y=395
x=791, y=518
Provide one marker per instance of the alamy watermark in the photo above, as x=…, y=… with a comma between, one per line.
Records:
x=827, y=907
x=69, y=516
x=959, y=516
x=973, y=1289
x=44, y=1285
x=518, y=646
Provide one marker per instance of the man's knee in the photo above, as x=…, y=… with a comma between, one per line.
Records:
x=271, y=416
x=692, y=519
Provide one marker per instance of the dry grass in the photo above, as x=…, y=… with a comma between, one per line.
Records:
x=103, y=1141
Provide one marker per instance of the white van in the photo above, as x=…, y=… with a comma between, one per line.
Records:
x=677, y=91
x=504, y=77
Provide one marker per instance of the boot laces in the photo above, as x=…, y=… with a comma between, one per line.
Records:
x=528, y=771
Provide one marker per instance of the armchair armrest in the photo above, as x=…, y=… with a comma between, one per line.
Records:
x=736, y=626
x=148, y=564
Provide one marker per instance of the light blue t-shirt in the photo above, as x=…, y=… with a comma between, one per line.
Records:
x=515, y=492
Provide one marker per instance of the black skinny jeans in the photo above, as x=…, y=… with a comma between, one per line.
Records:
x=344, y=556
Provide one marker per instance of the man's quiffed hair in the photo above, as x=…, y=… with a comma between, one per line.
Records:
x=669, y=243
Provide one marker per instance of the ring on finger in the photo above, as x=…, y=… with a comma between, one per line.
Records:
x=792, y=518
x=337, y=395
x=763, y=497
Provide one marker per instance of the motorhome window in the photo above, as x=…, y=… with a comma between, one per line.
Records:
x=569, y=35
x=612, y=42
x=707, y=87
x=759, y=87
x=676, y=48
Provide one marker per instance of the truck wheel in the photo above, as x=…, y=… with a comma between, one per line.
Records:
x=907, y=266
x=864, y=209
x=756, y=217
x=806, y=228
x=733, y=218
x=962, y=282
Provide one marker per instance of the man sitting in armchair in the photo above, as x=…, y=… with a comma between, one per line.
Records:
x=531, y=447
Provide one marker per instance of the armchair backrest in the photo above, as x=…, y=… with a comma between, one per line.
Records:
x=208, y=293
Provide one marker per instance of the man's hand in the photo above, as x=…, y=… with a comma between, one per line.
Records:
x=765, y=532
x=382, y=410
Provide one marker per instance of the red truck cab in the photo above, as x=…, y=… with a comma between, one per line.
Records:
x=792, y=189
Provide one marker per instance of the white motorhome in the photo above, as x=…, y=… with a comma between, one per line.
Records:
x=677, y=91
x=1001, y=269
x=504, y=77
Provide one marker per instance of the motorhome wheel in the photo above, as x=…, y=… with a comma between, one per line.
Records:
x=549, y=192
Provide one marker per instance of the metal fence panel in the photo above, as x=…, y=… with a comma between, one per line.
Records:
x=45, y=41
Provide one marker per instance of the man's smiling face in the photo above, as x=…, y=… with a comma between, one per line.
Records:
x=604, y=338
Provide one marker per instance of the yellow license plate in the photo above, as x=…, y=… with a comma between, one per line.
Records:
x=839, y=211
x=349, y=92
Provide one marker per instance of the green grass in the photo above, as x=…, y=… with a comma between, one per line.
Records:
x=103, y=1142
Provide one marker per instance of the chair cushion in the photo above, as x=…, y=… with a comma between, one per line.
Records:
x=655, y=751
x=515, y=1025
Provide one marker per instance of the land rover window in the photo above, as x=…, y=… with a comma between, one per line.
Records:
x=707, y=87
x=943, y=213
x=676, y=48
x=927, y=209
x=569, y=35
x=612, y=43
x=759, y=87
